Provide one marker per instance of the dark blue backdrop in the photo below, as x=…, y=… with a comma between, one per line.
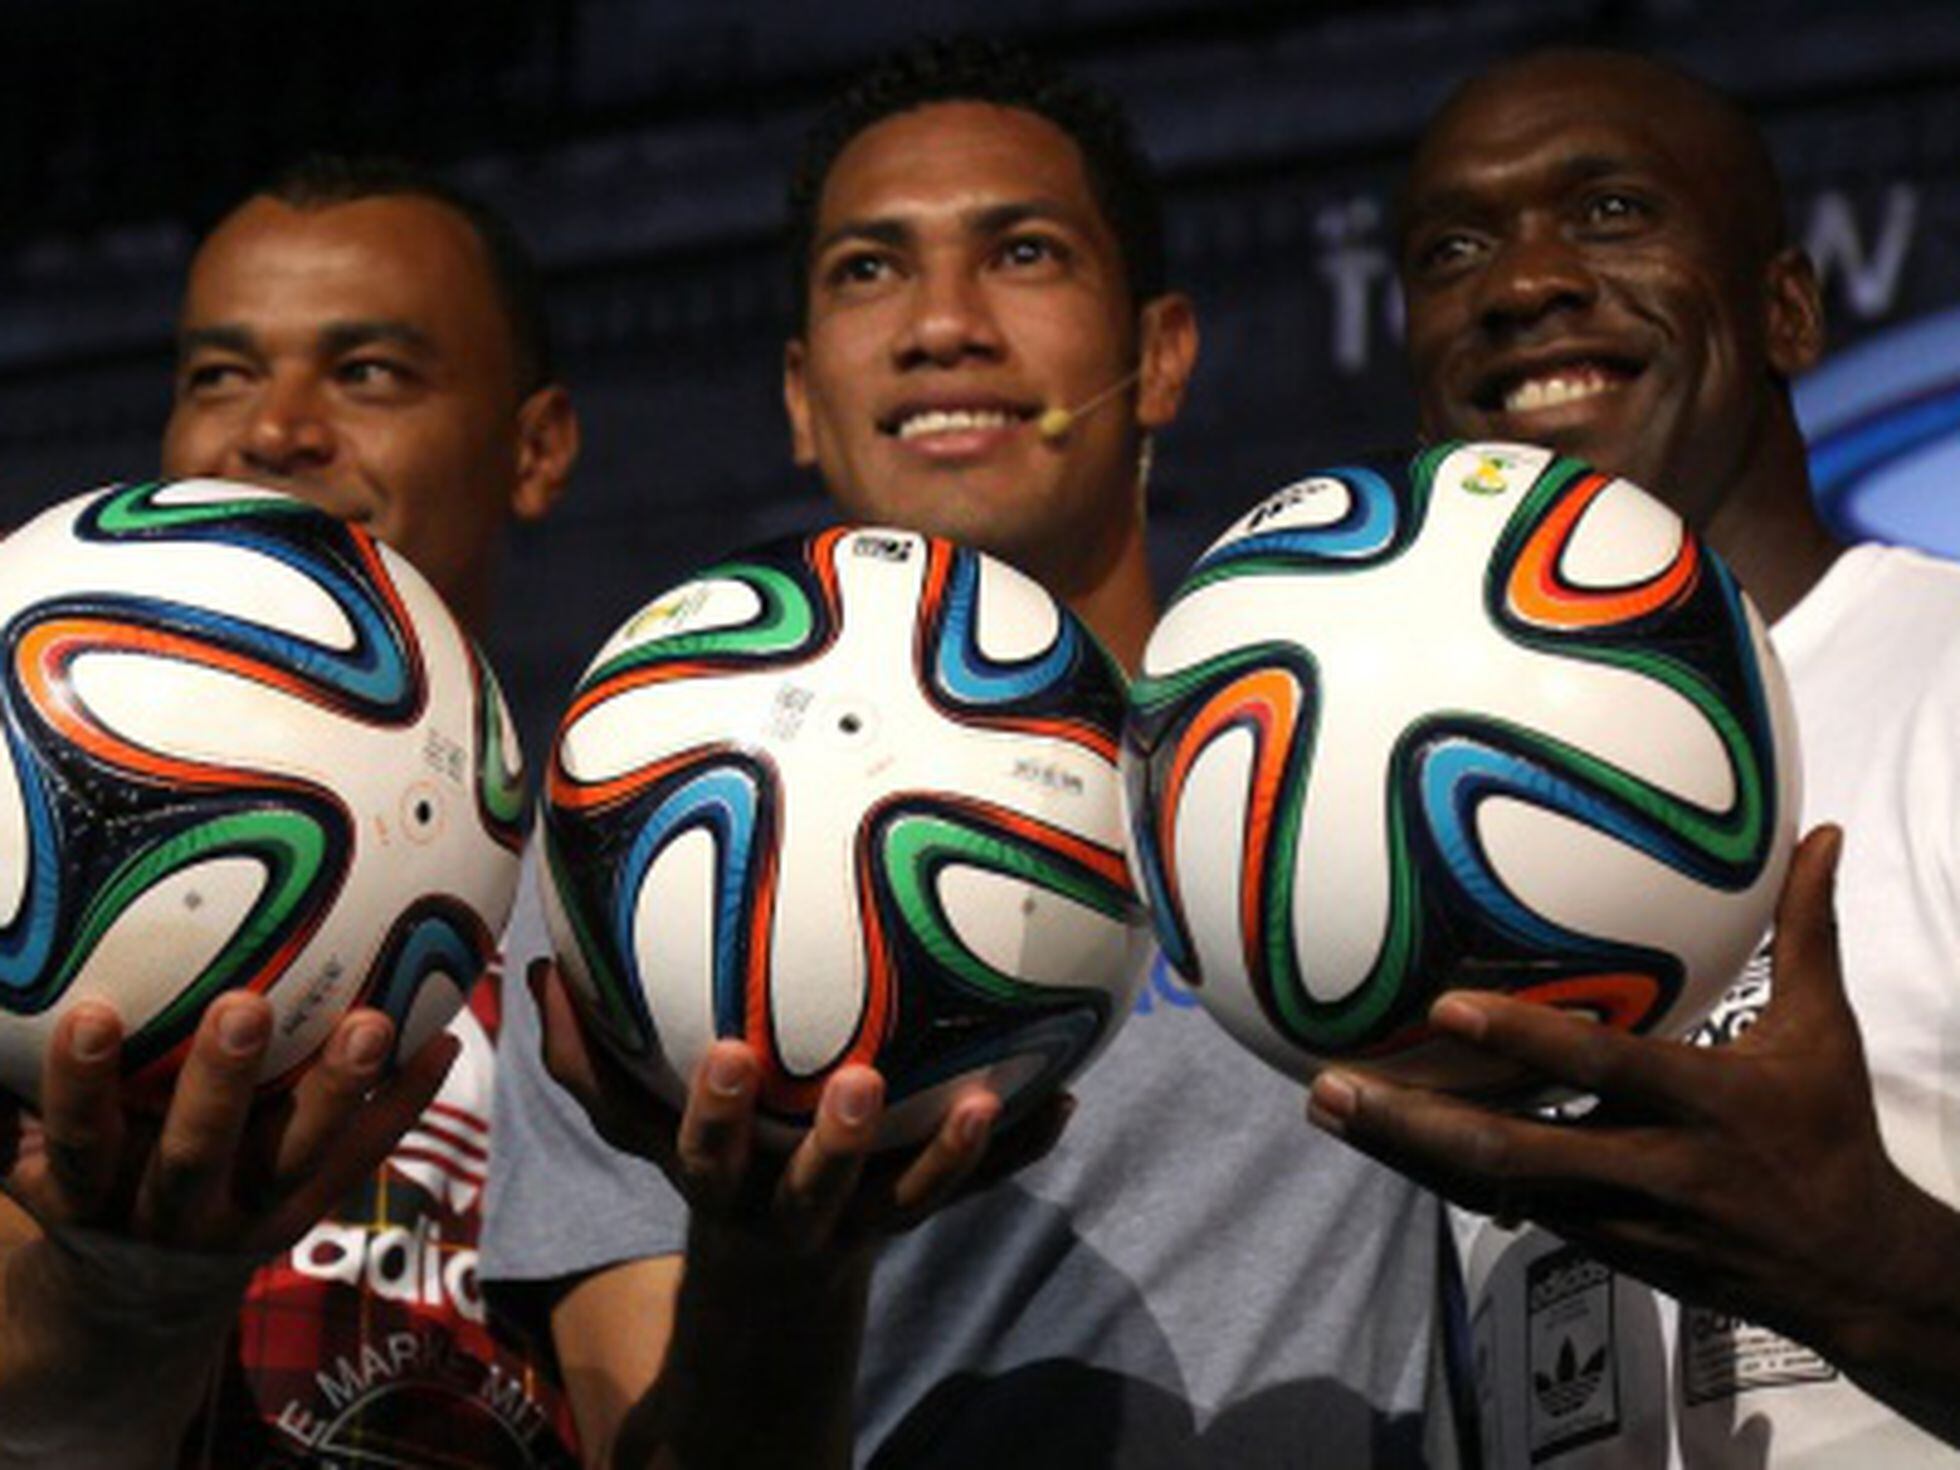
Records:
x=641, y=145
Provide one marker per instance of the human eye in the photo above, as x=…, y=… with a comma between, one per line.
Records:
x=857, y=269
x=1440, y=253
x=1615, y=211
x=206, y=376
x=374, y=374
x=1032, y=250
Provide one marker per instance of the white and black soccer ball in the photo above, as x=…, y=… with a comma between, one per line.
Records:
x=1493, y=721
x=245, y=747
x=850, y=797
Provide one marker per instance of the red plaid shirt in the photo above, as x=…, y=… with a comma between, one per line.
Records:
x=368, y=1344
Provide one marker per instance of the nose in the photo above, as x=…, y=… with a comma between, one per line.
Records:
x=1535, y=273
x=950, y=318
x=289, y=430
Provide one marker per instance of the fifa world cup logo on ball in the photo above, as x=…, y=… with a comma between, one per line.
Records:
x=850, y=797
x=1500, y=721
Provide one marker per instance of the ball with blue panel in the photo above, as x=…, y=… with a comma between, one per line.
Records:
x=849, y=797
x=245, y=747
x=1490, y=720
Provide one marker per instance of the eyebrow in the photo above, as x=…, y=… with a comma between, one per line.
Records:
x=338, y=337
x=1583, y=168
x=986, y=221
x=221, y=338
x=1580, y=168
x=878, y=231
x=998, y=218
x=1460, y=201
x=334, y=338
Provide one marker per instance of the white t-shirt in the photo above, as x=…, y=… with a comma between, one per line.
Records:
x=1579, y=1369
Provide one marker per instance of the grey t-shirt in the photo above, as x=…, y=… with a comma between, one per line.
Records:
x=1192, y=1278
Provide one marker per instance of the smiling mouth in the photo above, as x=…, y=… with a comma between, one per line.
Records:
x=1555, y=387
x=922, y=423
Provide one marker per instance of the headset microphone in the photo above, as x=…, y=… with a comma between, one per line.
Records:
x=1055, y=422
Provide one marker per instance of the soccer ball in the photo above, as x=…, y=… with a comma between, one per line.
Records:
x=1500, y=723
x=245, y=748
x=849, y=797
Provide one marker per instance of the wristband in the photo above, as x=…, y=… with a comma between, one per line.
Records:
x=161, y=1312
x=152, y=1292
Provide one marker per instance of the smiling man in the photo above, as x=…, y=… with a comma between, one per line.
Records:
x=920, y=382
x=297, y=1277
x=1594, y=258
x=1605, y=270
x=1177, y=1282
x=356, y=353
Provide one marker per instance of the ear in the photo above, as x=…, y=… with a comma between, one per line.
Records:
x=1794, y=313
x=547, y=448
x=796, y=400
x=1167, y=351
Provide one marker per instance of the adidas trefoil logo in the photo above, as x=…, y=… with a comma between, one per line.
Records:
x=1571, y=1383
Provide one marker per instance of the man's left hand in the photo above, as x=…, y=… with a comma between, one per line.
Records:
x=1750, y=1178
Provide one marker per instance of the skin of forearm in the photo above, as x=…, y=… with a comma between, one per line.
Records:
x=1902, y=1345
x=90, y=1382
x=762, y=1369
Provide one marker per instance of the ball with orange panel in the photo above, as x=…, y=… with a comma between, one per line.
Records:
x=245, y=746
x=1490, y=720
x=850, y=797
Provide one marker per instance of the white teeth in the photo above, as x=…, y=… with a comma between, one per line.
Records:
x=952, y=421
x=1558, y=388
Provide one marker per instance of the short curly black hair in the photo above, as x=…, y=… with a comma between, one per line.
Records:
x=983, y=69
x=320, y=180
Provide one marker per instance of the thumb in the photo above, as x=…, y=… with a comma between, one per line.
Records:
x=1807, y=981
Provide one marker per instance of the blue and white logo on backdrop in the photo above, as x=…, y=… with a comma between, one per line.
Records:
x=1883, y=423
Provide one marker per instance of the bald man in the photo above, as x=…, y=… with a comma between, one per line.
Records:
x=1594, y=258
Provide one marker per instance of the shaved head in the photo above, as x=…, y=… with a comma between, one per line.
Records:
x=1699, y=120
x=1594, y=257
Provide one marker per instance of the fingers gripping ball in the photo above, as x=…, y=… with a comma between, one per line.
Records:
x=848, y=798
x=244, y=747
x=1500, y=723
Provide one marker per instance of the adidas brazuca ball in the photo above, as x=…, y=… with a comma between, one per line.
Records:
x=851, y=797
x=245, y=748
x=1500, y=723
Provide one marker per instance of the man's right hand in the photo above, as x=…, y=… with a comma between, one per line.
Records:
x=223, y=1171
x=127, y=1239
x=831, y=1193
x=771, y=1298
